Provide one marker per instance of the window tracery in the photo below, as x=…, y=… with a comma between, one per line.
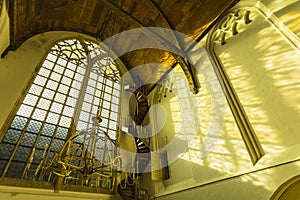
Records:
x=62, y=89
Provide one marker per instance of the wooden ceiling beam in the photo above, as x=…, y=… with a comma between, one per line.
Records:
x=186, y=67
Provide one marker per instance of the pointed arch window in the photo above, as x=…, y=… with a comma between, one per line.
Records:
x=65, y=93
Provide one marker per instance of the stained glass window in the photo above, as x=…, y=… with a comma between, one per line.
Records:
x=63, y=94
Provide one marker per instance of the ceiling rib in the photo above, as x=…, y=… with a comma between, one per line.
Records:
x=101, y=29
x=192, y=80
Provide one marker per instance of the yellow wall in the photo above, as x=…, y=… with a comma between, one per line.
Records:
x=4, y=27
x=263, y=66
x=18, y=193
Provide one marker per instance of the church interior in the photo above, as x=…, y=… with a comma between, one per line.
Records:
x=149, y=99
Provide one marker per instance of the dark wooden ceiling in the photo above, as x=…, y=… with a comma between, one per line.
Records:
x=104, y=18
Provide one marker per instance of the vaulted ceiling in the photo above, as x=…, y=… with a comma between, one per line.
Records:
x=104, y=18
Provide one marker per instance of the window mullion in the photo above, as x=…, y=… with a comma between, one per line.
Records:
x=82, y=92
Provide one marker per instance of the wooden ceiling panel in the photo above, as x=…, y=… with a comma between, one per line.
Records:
x=104, y=18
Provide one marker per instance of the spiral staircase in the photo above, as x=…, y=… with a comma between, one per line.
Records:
x=132, y=191
x=142, y=106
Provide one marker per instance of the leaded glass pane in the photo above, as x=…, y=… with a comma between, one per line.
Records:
x=59, y=69
x=15, y=169
x=55, y=76
x=105, y=113
x=22, y=154
x=96, y=101
x=52, y=85
x=6, y=150
x=115, y=100
x=94, y=109
x=108, y=90
x=86, y=106
x=37, y=156
x=65, y=121
x=84, y=116
x=47, y=64
x=66, y=81
x=71, y=101
x=34, y=126
x=35, y=89
x=52, y=118
x=106, y=104
x=12, y=136
x=109, y=82
x=88, y=98
x=112, y=125
x=60, y=98
x=112, y=134
x=116, y=92
x=107, y=96
x=3, y=163
x=104, y=122
x=43, y=121
x=113, y=115
x=62, y=62
x=43, y=141
x=39, y=80
x=51, y=57
x=69, y=73
x=74, y=93
x=30, y=99
x=114, y=108
x=80, y=70
x=19, y=122
x=63, y=89
x=48, y=94
x=92, y=82
x=100, y=79
x=117, y=87
x=78, y=77
x=93, y=77
x=68, y=111
x=25, y=110
x=48, y=129
x=51, y=155
x=44, y=103
x=90, y=90
x=71, y=66
x=44, y=72
x=76, y=84
x=57, y=145
x=28, y=139
x=81, y=125
x=39, y=114
x=62, y=132
x=56, y=107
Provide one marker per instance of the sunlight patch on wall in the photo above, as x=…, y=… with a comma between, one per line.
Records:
x=264, y=84
x=276, y=5
x=227, y=153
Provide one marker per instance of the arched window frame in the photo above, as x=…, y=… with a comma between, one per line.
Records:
x=96, y=69
x=225, y=28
